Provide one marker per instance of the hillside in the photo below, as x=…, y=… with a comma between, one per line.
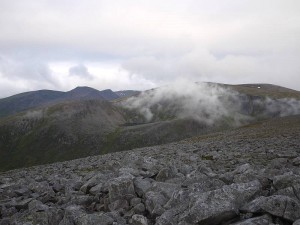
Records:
x=60, y=132
x=266, y=90
x=80, y=127
x=248, y=175
x=29, y=100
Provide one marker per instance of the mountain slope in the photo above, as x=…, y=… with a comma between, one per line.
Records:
x=248, y=175
x=29, y=100
x=77, y=128
x=59, y=132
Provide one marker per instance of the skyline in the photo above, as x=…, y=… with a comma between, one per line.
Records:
x=145, y=44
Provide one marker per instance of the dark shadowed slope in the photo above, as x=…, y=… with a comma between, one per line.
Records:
x=59, y=132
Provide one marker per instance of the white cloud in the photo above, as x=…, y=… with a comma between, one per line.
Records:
x=80, y=71
x=151, y=41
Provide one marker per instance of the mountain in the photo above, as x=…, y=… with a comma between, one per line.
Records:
x=29, y=100
x=109, y=94
x=84, y=124
x=127, y=93
x=266, y=90
x=58, y=132
x=23, y=101
x=248, y=175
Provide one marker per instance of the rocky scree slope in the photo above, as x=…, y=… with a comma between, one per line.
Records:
x=244, y=176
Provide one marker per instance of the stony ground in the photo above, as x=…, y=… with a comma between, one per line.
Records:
x=245, y=176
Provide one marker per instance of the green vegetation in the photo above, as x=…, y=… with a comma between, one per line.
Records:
x=75, y=129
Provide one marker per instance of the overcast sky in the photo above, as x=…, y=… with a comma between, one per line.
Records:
x=141, y=44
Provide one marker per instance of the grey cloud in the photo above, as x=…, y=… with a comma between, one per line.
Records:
x=80, y=71
x=202, y=65
x=158, y=41
x=14, y=69
x=206, y=103
x=280, y=107
x=202, y=102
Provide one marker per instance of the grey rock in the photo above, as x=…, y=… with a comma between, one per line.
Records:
x=154, y=203
x=118, y=220
x=278, y=163
x=167, y=189
x=95, y=219
x=220, y=205
x=95, y=180
x=41, y=187
x=260, y=220
x=47, y=217
x=120, y=204
x=23, y=204
x=286, y=180
x=81, y=200
x=22, y=191
x=207, y=184
x=36, y=205
x=96, y=189
x=282, y=206
x=296, y=161
x=135, y=201
x=142, y=185
x=121, y=188
x=253, y=206
x=139, y=220
x=4, y=221
x=139, y=208
x=297, y=222
x=8, y=212
x=166, y=173
x=277, y=205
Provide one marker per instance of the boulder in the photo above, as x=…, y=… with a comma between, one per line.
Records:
x=282, y=206
x=219, y=205
x=296, y=161
x=76, y=215
x=139, y=220
x=121, y=188
x=166, y=173
x=95, y=180
x=154, y=203
x=142, y=185
x=260, y=220
x=297, y=222
x=277, y=205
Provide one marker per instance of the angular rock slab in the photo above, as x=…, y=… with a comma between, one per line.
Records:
x=121, y=188
x=219, y=205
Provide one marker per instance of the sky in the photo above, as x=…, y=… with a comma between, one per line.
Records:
x=141, y=44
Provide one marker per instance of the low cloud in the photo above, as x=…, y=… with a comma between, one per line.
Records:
x=80, y=71
x=279, y=107
x=206, y=103
x=203, y=102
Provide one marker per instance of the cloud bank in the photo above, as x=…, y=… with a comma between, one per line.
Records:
x=207, y=103
x=147, y=43
x=203, y=102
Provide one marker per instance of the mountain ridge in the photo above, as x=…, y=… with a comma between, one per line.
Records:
x=79, y=127
x=28, y=100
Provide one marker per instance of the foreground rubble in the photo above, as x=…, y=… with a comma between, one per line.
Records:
x=243, y=177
